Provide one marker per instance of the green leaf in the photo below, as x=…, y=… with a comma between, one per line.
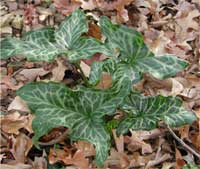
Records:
x=46, y=43
x=71, y=29
x=135, y=58
x=144, y=113
x=36, y=45
x=191, y=166
x=10, y=47
x=86, y=47
x=80, y=110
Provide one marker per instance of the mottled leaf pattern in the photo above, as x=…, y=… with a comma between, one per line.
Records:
x=46, y=43
x=86, y=47
x=10, y=47
x=71, y=29
x=135, y=58
x=81, y=110
x=144, y=113
x=35, y=45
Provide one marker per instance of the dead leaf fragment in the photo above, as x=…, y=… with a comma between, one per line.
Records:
x=135, y=143
x=16, y=166
x=20, y=148
x=105, y=81
x=66, y=6
x=58, y=72
x=32, y=74
x=11, y=123
x=85, y=68
x=86, y=147
x=19, y=105
x=40, y=163
x=78, y=158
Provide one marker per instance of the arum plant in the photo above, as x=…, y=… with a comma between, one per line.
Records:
x=84, y=109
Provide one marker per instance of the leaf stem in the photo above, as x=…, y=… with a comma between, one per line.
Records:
x=83, y=75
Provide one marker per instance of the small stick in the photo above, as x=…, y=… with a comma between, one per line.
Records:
x=183, y=143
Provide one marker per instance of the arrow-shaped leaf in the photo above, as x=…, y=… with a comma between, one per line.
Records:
x=46, y=43
x=80, y=110
x=135, y=58
x=144, y=113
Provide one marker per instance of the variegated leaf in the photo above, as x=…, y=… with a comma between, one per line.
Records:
x=35, y=45
x=86, y=47
x=144, y=113
x=46, y=43
x=135, y=58
x=80, y=110
x=71, y=29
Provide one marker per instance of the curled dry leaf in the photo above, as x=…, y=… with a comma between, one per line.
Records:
x=78, y=158
x=20, y=147
x=11, y=123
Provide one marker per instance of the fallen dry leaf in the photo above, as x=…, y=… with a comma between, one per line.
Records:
x=32, y=74
x=11, y=123
x=16, y=166
x=19, y=105
x=58, y=72
x=138, y=160
x=185, y=23
x=85, y=147
x=119, y=141
x=40, y=163
x=20, y=147
x=94, y=31
x=85, y=68
x=78, y=158
x=66, y=6
x=88, y=5
x=105, y=81
x=179, y=160
x=117, y=160
x=135, y=143
x=10, y=83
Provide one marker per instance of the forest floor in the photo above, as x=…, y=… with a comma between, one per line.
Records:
x=168, y=26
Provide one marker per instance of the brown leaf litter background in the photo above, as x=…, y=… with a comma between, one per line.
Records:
x=168, y=26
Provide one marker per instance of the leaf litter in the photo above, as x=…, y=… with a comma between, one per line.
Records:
x=168, y=26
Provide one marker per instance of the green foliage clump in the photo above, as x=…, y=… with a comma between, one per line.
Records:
x=83, y=110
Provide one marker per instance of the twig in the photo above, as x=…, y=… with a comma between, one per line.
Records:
x=54, y=141
x=183, y=143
